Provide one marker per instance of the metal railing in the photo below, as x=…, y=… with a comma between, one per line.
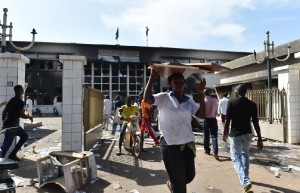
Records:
x=261, y=98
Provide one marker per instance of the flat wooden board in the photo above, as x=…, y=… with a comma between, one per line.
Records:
x=32, y=125
x=67, y=154
x=186, y=69
x=209, y=67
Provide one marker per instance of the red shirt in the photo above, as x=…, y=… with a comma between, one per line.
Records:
x=146, y=109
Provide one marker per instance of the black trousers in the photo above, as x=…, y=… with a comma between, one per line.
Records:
x=180, y=165
x=211, y=129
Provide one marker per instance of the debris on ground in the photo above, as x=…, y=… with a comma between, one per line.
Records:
x=96, y=154
x=79, y=191
x=134, y=191
x=33, y=149
x=98, y=166
x=23, y=182
x=277, y=174
x=93, y=180
x=116, y=185
x=283, y=156
x=292, y=167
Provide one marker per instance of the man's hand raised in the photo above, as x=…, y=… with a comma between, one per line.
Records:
x=201, y=86
x=154, y=72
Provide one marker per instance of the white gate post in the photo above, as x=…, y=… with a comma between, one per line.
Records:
x=72, y=116
x=12, y=73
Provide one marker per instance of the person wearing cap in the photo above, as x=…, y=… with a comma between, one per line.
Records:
x=240, y=112
x=211, y=124
x=177, y=143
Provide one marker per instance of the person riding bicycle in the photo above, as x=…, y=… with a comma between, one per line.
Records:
x=126, y=111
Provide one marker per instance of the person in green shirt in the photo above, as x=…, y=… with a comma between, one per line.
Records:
x=126, y=111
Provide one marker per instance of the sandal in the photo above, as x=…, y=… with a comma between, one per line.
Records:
x=170, y=186
x=247, y=188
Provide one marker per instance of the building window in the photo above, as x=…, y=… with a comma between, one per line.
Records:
x=44, y=78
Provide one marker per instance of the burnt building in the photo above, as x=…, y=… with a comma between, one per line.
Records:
x=112, y=69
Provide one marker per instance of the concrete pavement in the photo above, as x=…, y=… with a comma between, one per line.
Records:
x=147, y=174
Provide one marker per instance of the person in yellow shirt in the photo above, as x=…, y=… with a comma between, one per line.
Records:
x=126, y=111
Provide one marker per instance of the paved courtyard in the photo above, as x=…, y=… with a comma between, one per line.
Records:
x=147, y=174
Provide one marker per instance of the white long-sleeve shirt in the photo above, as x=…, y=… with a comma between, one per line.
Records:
x=107, y=105
x=223, y=105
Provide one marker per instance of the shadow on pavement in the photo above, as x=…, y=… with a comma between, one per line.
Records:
x=273, y=156
x=224, y=158
x=275, y=188
x=50, y=188
x=28, y=169
x=130, y=167
x=38, y=134
x=97, y=187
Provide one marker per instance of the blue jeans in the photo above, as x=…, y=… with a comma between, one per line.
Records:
x=8, y=139
x=180, y=165
x=114, y=128
x=239, y=153
x=122, y=134
x=211, y=128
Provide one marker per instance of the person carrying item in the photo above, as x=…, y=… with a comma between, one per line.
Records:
x=11, y=115
x=126, y=111
x=177, y=143
x=240, y=112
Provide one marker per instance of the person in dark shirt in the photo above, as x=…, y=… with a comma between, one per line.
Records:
x=12, y=113
x=240, y=112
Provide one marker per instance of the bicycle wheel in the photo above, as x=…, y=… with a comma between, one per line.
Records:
x=137, y=147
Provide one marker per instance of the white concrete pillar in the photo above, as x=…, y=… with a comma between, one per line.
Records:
x=290, y=81
x=72, y=117
x=12, y=73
